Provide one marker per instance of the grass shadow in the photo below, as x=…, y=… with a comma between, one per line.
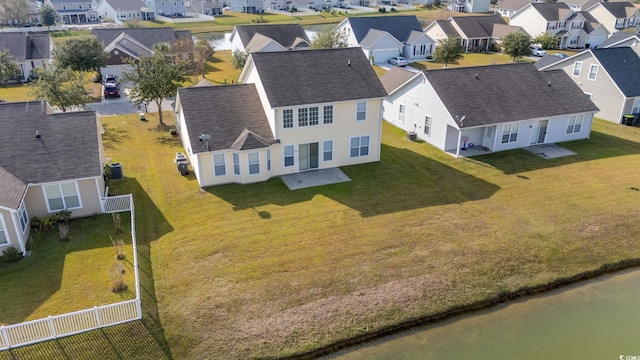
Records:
x=599, y=146
x=402, y=180
x=111, y=137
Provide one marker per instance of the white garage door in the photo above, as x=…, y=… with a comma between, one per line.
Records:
x=383, y=55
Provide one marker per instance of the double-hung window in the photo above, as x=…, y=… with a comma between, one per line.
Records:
x=303, y=117
x=510, y=133
x=219, y=168
x=593, y=71
x=236, y=164
x=254, y=163
x=287, y=118
x=3, y=232
x=288, y=155
x=577, y=68
x=427, y=125
x=401, y=115
x=327, y=150
x=268, y=159
x=574, y=124
x=361, y=111
x=359, y=146
x=636, y=106
x=23, y=217
x=62, y=196
x=328, y=114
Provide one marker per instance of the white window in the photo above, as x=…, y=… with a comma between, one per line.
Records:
x=62, y=196
x=328, y=114
x=303, y=117
x=3, y=235
x=288, y=155
x=593, y=72
x=236, y=164
x=327, y=150
x=510, y=133
x=254, y=163
x=401, y=115
x=636, y=106
x=574, y=124
x=361, y=111
x=287, y=118
x=313, y=116
x=359, y=146
x=577, y=68
x=24, y=218
x=219, y=168
x=268, y=159
x=427, y=125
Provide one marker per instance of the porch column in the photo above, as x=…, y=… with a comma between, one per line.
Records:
x=19, y=234
x=459, y=140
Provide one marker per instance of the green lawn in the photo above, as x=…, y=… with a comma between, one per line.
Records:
x=260, y=271
x=471, y=59
x=16, y=92
x=61, y=277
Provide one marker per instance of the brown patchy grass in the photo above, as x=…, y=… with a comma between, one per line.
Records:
x=472, y=59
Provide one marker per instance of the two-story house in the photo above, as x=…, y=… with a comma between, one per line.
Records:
x=283, y=122
x=246, y=6
x=124, y=10
x=574, y=29
x=269, y=37
x=206, y=7
x=383, y=37
x=469, y=6
x=74, y=11
x=29, y=51
x=507, y=8
x=610, y=76
x=167, y=7
x=616, y=16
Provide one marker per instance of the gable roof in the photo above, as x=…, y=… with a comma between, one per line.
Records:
x=316, y=76
x=125, y=5
x=546, y=61
x=500, y=30
x=24, y=47
x=584, y=4
x=513, y=4
x=552, y=11
x=231, y=114
x=446, y=27
x=375, y=35
x=519, y=90
x=259, y=41
x=415, y=36
x=395, y=77
x=67, y=149
x=477, y=26
x=399, y=27
x=618, y=37
x=284, y=34
x=619, y=9
x=145, y=36
x=622, y=65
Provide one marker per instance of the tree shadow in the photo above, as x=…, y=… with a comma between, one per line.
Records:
x=111, y=137
x=402, y=180
x=599, y=146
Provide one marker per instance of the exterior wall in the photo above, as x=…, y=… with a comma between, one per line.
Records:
x=345, y=27
x=7, y=222
x=436, y=33
x=236, y=43
x=385, y=49
x=90, y=191
x=272, y=46
x=242, y=5
x=597, y=37
x=169, y=7
x=478, y=6
x=28, y=66
x=408, y=49
x=604, y=92
x=106, y=11
x=207, y=177
x=604, y=17
x=530, y=20
x=252, y=77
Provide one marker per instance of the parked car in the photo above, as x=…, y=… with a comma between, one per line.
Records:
x=537, y=50
x=111, y=90
x=110, y=78
x=398, y=61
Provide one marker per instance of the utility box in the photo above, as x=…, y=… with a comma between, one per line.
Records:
x=116, y=170
x=412, y=135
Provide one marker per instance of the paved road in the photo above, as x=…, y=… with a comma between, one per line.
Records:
x=121, y=106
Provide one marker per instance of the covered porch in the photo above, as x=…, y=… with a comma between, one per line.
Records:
x=467, y=142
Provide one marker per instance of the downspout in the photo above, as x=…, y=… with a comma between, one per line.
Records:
x=380, y=131
x=459, y=140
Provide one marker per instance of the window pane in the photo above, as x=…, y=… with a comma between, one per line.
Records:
x=355, y=142
x=53, y=191
x=56, y=204
x=254, y=169
x=254, y=163
x=72, y=201
x=328, y=150
x=364, y=151
x=3, y=237
x=364, y=141
x=288, y=150
x=303, y=117
x=313, y=116
x=68, y=189
x=355, y=152
x=328, y=114
x=236, y=164
x=287, y=118
x=361, y=111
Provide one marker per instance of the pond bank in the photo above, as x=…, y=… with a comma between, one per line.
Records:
x=469, y=308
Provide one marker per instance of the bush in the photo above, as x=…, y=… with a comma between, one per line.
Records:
x=51, y=222
x=393, y=10
x=11, y=255
x=382, y=10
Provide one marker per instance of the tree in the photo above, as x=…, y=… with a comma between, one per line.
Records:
x=133, y=23
x=61, y=87
x=329, y=37
x=239, y=58
x=547, y=41
x=14, y=11
x=155, y=78
x=516, y=45
x=203, y=52
x=48, y=16
x=9, y=69
x=81, y=54
x=448, y=50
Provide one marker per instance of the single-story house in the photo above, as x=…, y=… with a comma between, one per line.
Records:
x=283, y=122
x=124, y=10
x=49, y=162
x=610, y=76
x=476, y=33
x=622, y=39
x=262, y=37
x=29, y=51
x=496, y=108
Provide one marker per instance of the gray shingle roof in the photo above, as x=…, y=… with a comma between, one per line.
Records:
x=11, y=189
x=399, y=27
x=146, y=36
x=126, y=5
x=24, y=47
x=447, y=28
x=395, y=77
x=546, y=61
x=317, y=76
x=513, y=4
x=68, y=147
x=623, y=65
x=231, y=114
x=284, y=34
x=619, y=9
x=501, y=30
x=504, y=93
x=617, y=37
x=552, y=11
x=478, y=26
x=373, y=36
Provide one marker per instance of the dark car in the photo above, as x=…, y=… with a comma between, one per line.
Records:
x=111, y=90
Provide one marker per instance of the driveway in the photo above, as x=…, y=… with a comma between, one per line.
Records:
x=122, y=106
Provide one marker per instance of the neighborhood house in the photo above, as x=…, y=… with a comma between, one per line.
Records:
x=29, y=51
x=277, y=37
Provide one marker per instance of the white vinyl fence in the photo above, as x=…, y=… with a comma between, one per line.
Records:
x=190, y=17
x=77, y=322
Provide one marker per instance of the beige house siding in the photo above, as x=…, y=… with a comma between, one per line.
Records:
x=604, y=17
x=6, y=222
x=90, y=191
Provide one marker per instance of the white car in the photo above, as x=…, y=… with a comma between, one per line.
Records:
x=537, y=50
x=398, y=61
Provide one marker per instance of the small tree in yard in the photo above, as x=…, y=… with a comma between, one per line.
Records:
x=239, y=58
x=448, y=50
x=203, y=52
x=63, y=88
x=48, y=16
x=9, y=69
x=329, y=37
x=547, y=41
x=516, y=45
x=155, y=78
x=81, y=54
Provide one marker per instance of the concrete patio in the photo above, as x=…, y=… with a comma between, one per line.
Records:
x=314, y=178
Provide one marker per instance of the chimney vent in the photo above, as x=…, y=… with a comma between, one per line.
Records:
x=38, y=134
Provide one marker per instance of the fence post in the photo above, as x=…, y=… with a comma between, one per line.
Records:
x=51, y=327
x=5, y=337
x=98, y=322
x=102, y=200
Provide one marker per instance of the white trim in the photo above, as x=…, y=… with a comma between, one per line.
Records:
x=249, y=163
x=3, y=226
x=325, y=151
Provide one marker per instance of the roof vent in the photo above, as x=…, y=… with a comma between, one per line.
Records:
x=38, y=134
x=349, y=62
x=549, y=83
x=476, y=75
